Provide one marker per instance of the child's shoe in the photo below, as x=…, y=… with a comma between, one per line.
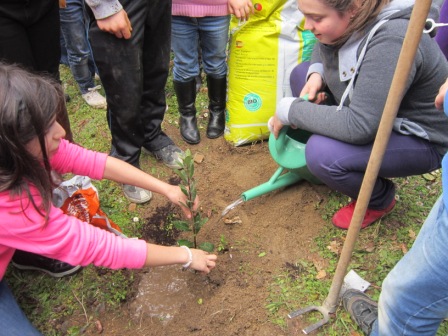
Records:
x=343, y=217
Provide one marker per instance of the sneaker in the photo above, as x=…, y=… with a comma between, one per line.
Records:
x=94, y=98
x=363, y=310
x=343, y=217
x=136, y=194
x=170, y=155
x=28, y=261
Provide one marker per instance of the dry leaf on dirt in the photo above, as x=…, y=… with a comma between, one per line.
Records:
x=198, y=158
x=234, y=220
x=98, y=326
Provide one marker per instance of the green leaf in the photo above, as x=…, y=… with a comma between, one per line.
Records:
x=207, y=247
x=184, y=190
x=199, y=222
x=184, y=242
x=187, y=161
x=183, y=175
x=181, y=225
x=191, y=168
x=193, y=192
x=262, y=254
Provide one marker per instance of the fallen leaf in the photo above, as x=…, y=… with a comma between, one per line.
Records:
x=98, y=326
x=370, y=247
x=404, y=248
x=334, y=247
x=412, y=234
x=132, y=207
x=234, y=220
x=198, y=158
x=321, y=274
x=429, y=177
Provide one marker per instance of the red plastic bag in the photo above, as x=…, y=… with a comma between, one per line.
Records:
x=78, y=197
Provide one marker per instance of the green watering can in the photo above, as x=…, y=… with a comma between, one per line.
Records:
x=288, y=150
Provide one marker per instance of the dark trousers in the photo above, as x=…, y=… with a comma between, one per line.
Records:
x=30, y=36
x=134, y=74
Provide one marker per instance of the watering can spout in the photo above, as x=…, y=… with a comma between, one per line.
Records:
x=275, y=182
x=288, y=150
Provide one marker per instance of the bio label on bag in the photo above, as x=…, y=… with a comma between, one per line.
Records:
x=262, y=53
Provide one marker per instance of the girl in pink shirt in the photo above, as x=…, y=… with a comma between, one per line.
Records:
x=31, y=145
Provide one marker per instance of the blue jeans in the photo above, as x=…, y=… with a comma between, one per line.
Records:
x=13, y=321
x=341, y=166
x=211, y=34
x=414, y=296
x=74, y=31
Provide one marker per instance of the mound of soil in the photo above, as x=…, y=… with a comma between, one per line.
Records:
x=263, y=235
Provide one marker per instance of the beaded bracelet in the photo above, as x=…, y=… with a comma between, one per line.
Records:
x=190, y=257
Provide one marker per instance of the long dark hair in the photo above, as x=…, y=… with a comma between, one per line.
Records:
x=29, y=104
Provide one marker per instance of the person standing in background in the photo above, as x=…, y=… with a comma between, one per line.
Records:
x=79, y=55
x=30, y=36
x=202, y=25
x=134, y=71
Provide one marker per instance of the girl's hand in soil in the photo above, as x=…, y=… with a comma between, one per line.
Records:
x=202, y=261
x=199, y=260
x=176, y=196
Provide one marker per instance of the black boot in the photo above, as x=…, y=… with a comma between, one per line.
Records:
x=217, y=107
x=186, y=99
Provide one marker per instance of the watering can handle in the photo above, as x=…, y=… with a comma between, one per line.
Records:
x=279, y=144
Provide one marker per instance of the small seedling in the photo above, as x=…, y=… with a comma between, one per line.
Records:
x=188, y=187
x=223, y=244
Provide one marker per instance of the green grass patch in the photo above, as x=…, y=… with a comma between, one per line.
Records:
x=378, y=248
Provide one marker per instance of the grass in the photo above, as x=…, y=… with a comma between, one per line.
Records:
x=48, y=301
x=378, y=249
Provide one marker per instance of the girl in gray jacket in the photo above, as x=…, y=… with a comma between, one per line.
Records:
x=354, y=60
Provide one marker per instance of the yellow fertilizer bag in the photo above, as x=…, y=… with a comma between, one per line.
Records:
x=262, y=53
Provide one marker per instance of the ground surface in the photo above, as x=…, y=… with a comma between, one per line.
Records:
x=265, y=235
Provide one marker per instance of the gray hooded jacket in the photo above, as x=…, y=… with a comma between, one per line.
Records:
x=361, y=102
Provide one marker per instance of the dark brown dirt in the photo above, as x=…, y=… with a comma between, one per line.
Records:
x=276, y=230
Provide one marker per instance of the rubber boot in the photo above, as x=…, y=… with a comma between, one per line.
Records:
x=186, y=99
x=217, y=106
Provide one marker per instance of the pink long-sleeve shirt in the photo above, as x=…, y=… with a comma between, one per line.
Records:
x=65, y=237
x=200, y=8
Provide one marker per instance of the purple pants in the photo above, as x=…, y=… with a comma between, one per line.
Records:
x=442, y=32
x=341, y=166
